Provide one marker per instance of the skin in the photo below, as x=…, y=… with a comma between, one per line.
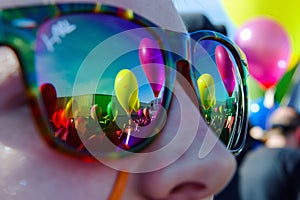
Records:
x=276, y=139
x=31, y=170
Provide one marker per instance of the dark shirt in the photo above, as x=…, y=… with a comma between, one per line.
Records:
x=270, y=174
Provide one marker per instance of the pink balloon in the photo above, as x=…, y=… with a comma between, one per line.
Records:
x=140, y=113
x=267, y=48
x=225, y=67
x=153, y=64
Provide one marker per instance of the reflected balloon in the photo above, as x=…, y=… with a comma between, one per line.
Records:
x=96, y=112
x=49, y=97
x=140, y=112
x=146, y=112
x=137, y=105
x=267, y=47
x=55, y=119
x=112, y=111
x=126, y=89
x=62, y=117
x=71, y=108
x=152, y=62
x=206, y=87
x=226, y=69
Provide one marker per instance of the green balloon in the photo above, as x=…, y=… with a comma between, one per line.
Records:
x=112, y=111
x=255, y=90
x=283, y=87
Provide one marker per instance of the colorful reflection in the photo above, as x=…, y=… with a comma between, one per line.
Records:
x=217, y=88
x=115, y=104
x=126, y=89
x=110, y=121
x=226, y=68
x=152, y=62
x=206, y=86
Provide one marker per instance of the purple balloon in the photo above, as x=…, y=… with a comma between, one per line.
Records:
x=140, y=113
x=267, y=48
x=153, y=64
x=226, y=69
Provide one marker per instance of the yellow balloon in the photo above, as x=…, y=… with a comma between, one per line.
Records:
x=221, y=109
x=71, y=108
x=206, y=87
x=126, y=89
x=284, y=12
x=136, y=105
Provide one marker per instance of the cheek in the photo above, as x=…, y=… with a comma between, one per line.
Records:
x=11, y=87
x=29, y=168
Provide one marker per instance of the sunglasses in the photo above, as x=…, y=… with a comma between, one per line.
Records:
x=100, y=79
x=285, y=128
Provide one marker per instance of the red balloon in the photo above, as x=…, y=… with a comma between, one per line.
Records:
x=63, y=117
x=267, y=48
x=49, y=97
x=56, y=119
x=226, y=69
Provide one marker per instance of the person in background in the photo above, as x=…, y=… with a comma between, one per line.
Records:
x=272, y=171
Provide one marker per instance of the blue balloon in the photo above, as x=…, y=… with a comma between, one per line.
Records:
x=259, y=113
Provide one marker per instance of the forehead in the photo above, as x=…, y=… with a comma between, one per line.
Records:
x=168, y=19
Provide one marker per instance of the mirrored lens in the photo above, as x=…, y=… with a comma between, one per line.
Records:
x=219, y=85
x=104, y=90
x=104, y=83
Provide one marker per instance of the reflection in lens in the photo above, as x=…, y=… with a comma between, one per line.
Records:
x=226, y=69
x=215, y=70
x=153, y=64
x=103, y=106
x=206, y=88
x=84, y=102
x=126, y=89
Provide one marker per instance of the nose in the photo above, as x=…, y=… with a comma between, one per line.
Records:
x=202, y=170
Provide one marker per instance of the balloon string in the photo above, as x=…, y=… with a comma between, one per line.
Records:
x=269, y=98
x=119, y=186
x=128, y=136
x=128, y=133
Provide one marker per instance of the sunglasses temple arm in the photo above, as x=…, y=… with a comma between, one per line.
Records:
x=183, y=67
x=119, y=186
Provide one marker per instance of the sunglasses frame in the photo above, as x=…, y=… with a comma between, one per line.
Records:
x=242, y=125
x=25, y=52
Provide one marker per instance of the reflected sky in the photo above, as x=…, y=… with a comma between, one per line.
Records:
x=64, y=44
x=78, y=61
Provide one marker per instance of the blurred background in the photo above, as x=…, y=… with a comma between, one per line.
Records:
x=269, y=35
